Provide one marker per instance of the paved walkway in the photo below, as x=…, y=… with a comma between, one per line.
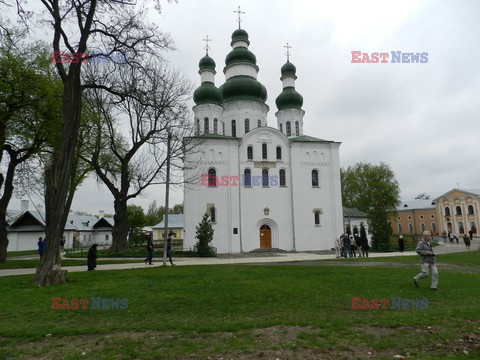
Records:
x=283, y=257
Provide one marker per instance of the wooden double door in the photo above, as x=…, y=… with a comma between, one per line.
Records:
x=265, y=237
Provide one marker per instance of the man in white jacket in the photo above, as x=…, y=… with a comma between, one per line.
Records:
x=427, y=261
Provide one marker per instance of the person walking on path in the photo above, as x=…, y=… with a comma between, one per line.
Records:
x=456, y=237
x=338, y=246
x=470, y=234
x=427, y=261
x=41, y=246
x=358, y=244
x=401, y=243
x=346, y=246
x=150, y=252
x=466, y=240
x=365, y=246
x=169, y=250
x=92, y=257
x=450, y=237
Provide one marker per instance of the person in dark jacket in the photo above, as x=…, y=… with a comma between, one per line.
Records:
x=92, y=257
x=169, y=250
x=365, y=246
x=466, y=240
x=41, y=246
x=401, y=243
x=346, y=246
x=358, y=244
x=150, y=252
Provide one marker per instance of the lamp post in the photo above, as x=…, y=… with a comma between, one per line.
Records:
x=167, y=193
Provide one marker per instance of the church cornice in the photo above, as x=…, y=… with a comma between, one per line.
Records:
x=315, y=163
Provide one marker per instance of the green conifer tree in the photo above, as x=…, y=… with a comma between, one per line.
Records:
x=204, y=235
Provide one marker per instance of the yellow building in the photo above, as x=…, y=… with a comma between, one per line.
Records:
x=414, y=217
x=459, y=211
x=175, y=226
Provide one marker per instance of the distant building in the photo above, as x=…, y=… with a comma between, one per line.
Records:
x=456, y=211
x=175, y=225
x=25, y=227
x=354, y=218
x=459, y=211
x=414, y=217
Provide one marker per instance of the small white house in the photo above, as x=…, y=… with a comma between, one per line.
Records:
x=25, y=227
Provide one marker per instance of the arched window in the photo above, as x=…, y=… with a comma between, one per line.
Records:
x=206, y=126
x=279, y=153
x=297, y=128
x=212, y=177
x=422, y=226
x=223, y=128
x=317, y=217
x=198, y=127
x=399, y=228
x=259, y=123
x=314, y=177
x=234, y=128
x=247, y=125
x=447, y=211
x=470, y=210
x=458, y=210
x=265, y=177
x=247, y=177
x=250, y=153
x=213, y=215
x=473, y=227
x=434, y=228
x=289, y=129
x=283, y=180
x=264, y=151
x=461, y=228
x=410, y=228
x=215, y=126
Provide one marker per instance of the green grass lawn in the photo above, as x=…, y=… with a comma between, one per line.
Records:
x=467, y=258
x=32, y=263
x=21, y=253
x=242, y=311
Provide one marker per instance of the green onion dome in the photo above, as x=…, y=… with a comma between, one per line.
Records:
x=207, y=93
x=289, y=99
x=207, y=63
x=243, y=88
x=240, y=55
x=288, y=69
x=240, y=35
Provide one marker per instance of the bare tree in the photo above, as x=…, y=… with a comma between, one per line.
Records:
x=79, y=27
x=129, y=146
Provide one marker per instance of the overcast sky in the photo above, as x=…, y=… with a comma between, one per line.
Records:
x=422, y=119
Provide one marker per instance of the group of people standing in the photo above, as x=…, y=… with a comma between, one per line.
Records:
x=347, y=246
x=467, y=239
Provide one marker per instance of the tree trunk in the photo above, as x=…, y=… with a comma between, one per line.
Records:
x=120, y=228
x=4, y=201
x=58, y=177
x=3, y=237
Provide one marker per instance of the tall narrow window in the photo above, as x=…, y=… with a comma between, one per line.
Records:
x=212, y=177
x=247, y=177
x=317, y=218
x=234, y=128
x=259, y=123
x=283, y=181
x=297, y=128
x=470, y=210
x=247, y=125
x=289, y=129
x=250, y=153
x=215, y=126
x=458, y=210
x=314, y=177
x=198, y=127
x=265, y=177
x=205, y=125
x=399, y=228
x=264, y=152
x=434, y=228
x=213, y=215
x=223, y=128
x=447, y=211
x=410, y=228
x=279, y=153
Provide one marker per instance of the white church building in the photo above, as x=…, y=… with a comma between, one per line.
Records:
x=263, y=187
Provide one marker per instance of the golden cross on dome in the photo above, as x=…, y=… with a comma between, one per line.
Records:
x=207, y=40
x=288, y=47
x=239, y=12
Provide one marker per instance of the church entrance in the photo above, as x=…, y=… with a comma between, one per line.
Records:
x=265, y=237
